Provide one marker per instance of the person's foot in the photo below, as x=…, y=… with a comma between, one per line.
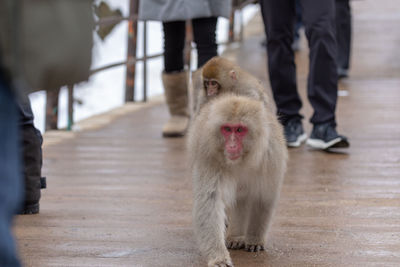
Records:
x=31, y=208
x=294, y=133
x=342, y=73
x=324, y=136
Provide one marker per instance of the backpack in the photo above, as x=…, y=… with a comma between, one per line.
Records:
x=45, y=44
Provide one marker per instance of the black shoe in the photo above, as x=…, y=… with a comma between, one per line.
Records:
x=324, y=136
x=32, y=206
x=30, y=209
x=294, y=133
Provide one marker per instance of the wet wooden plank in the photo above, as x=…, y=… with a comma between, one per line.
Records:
x=120, y=195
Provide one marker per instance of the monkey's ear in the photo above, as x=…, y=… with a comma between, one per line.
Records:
x=233, y=75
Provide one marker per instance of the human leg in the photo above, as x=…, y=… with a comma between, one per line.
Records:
x=298, y=24
x=175, y=79
x=10, y=174
x=32, y=157
x=278, y=17
x=278, y=21
x=343, y=36
x=319, y=20
x=174, y=43
x=205, y=39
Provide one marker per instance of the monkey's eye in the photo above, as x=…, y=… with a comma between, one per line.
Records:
x=213, y=83
x=239, y=129
x=228, y=129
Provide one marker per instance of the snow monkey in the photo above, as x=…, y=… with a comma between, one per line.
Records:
x=238, y=159
x=220, y=75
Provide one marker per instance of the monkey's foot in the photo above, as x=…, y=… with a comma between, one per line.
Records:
x=223, y=263
x=254, y=247
x=235, y=242
x=254, y=244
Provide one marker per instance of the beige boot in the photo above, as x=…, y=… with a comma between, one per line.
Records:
x=176, y=95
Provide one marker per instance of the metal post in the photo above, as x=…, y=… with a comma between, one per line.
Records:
x=241, y=25
x=145, y=61
x=132, y=39
x=188, y=43
x=52, y=109
x=70, y=119
x=232, y=26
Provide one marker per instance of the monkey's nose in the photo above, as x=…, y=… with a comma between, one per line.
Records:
x=232, y=146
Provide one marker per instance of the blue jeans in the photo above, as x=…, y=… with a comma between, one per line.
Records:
x=10, y=174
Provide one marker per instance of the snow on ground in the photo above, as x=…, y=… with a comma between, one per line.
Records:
x=106, y=90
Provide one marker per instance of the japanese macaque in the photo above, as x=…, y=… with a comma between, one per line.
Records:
x=220, y=75
x=238, y=159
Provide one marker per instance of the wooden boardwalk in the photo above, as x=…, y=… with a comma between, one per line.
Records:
x=120, y=195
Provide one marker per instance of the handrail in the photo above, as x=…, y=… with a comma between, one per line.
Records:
x=52, y=104
x=126, y=62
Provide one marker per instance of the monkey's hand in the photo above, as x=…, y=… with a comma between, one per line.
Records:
x=221, y=263
x=235, y=242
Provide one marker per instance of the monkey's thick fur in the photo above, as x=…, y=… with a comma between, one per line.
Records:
x=243, y=192
x=231, y=79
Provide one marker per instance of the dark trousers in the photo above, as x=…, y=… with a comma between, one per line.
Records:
x=298, y=22
x=319, y=23
x=343, y=35
x=174, y=42
x=32, y=152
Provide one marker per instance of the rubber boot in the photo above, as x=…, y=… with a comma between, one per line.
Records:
x=176, y=95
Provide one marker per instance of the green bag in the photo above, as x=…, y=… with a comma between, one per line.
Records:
x=46, y=44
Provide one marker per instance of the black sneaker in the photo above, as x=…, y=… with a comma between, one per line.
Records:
x=294, y=133
x=324, y=136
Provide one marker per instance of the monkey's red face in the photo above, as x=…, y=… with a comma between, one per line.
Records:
x=211, y=86
x=233, y=135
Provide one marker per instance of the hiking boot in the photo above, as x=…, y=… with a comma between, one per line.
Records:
x=33, y=207
x=30, y=209
x=294, y=133
x=32, y=168
x=324, y=136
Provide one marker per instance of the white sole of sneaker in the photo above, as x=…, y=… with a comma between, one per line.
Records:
x=319, y=144
x=298, y=142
